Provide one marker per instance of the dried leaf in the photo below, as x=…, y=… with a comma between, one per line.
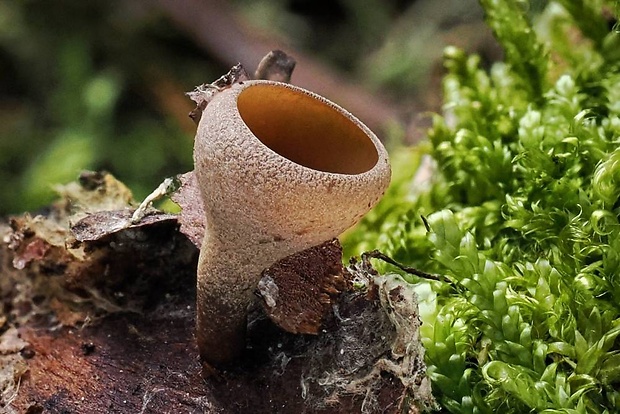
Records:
x=297, y=291
x=203, y=94
x=192, y=216
x=101, y=224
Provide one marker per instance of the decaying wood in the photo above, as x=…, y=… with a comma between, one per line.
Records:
x=98, y=316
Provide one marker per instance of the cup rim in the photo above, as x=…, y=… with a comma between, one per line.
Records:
x=362, y=142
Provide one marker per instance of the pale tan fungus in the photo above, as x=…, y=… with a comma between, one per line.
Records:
x=280, y=170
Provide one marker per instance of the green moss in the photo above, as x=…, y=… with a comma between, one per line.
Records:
x=522, y=215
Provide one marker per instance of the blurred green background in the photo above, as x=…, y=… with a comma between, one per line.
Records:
x=99, y=84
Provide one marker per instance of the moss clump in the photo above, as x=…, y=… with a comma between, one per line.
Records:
x=522, y=215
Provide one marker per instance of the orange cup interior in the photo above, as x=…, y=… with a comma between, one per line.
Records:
x=305, y=130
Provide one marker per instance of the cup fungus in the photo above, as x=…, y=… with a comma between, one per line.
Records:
x=280, y=170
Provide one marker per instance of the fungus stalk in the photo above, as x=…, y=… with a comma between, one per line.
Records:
x=280, y=170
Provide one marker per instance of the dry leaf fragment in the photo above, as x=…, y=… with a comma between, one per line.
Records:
x=297, y=291
x=192, y=216
x=101, y=224
x=203, y=94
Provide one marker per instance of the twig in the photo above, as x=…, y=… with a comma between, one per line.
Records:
x=376, y=254
x=166, y=188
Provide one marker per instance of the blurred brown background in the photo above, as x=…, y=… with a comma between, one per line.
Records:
x=100, y=84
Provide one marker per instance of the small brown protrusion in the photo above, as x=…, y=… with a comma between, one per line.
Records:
x=196, y=113
x=276, y=66
x=298, y=291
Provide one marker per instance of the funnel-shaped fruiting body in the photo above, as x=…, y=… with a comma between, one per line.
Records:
x=280, y=169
